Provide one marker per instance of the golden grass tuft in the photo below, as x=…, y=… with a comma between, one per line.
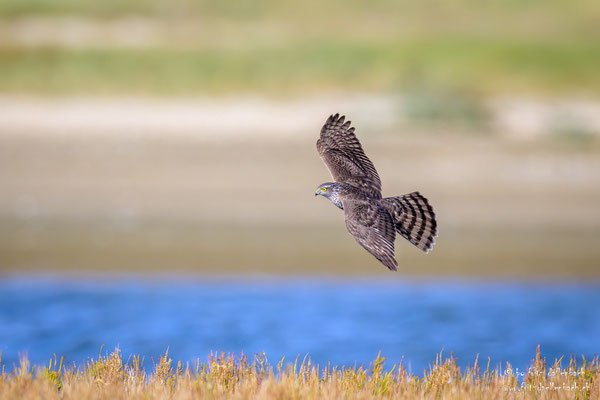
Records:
x=226, y=376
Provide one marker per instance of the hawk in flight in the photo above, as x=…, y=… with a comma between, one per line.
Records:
x=372, y=219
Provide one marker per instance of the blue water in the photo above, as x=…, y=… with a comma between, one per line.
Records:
x=345, y=322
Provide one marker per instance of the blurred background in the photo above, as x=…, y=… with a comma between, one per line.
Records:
x=172, y=144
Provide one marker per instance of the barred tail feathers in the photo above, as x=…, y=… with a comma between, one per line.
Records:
x=414, y=219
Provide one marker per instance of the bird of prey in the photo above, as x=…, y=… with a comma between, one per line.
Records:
x=372, y=219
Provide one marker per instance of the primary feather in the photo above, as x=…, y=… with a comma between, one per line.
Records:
x=344, y=157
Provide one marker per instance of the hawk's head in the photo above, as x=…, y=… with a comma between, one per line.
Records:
x=331, y=191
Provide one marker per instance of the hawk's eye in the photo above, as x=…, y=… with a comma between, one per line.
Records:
x=323, y=189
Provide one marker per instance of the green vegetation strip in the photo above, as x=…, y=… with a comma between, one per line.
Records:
x=230, y=377
x=545, y=10
x=465, y=64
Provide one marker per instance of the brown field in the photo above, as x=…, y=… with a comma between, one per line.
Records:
x=230, y=377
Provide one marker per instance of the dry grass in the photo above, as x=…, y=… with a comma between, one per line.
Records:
x=228, y=376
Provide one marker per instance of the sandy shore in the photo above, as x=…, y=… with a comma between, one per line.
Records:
x=243, y=117
x=227, y=186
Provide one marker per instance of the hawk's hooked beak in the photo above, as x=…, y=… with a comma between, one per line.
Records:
x=316, y=193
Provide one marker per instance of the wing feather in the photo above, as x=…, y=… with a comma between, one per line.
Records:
x=345, y=158
x=373, y=228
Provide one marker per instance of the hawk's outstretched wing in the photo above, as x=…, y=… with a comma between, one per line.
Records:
x=373, y=228
x=344, y=157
